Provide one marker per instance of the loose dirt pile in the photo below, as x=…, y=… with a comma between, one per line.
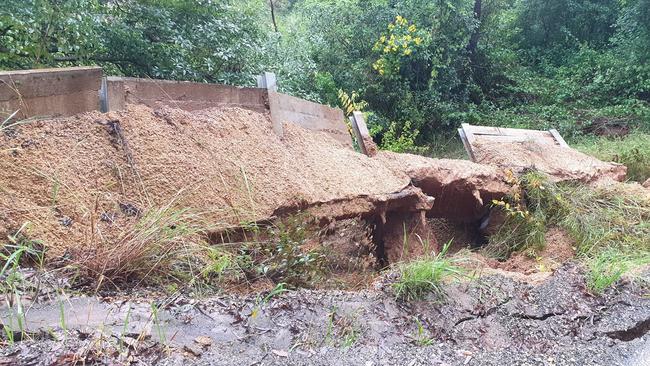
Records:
x=83, y=179
x=560, y=163
x=88, y=179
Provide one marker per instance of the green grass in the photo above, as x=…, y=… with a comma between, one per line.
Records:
x=632, y=150
x=611, y=226
x=607, y=266
x=423, y=276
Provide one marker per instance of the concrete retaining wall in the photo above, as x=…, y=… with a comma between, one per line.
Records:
x=192, y=96
x=50, y=92
x=182, y=94
x=309, y=115
x=68, y=91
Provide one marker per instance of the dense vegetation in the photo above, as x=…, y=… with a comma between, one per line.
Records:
x=419, y=67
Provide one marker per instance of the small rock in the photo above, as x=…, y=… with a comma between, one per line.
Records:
x=130, y=209
x=193, y=350
x=280, y=353
x=204, y=341
x=108, y=217
x=65, y=221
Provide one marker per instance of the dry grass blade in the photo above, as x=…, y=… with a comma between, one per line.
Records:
x=161, y=238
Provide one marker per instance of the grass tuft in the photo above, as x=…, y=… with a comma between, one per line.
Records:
x=162, y=238
x=423, y=276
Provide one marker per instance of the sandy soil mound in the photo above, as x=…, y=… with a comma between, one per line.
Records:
x=560, y=163
x=462, y=189
x=83, y=179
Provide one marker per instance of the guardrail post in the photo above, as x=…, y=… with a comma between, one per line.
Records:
x=362, y=135
x=267, y=81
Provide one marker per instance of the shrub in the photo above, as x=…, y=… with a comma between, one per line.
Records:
x=277, y=252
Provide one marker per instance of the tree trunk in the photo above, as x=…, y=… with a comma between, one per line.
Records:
x=476, y=34
x=275, y=25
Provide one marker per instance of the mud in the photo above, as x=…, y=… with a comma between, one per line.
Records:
x=495, y=320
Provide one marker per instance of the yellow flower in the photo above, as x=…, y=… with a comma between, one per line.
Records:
x=418, y=40
x=407, y=52
x=382, y=39
x=412, y=28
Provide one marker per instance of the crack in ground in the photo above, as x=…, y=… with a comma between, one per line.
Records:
x=637, y=331
x=537, y=317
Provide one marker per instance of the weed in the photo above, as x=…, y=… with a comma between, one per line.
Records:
x=285, y=260
x=160, y=331
x=62, y=322
x=279, y=289
x=422, y=276
x=19, y=249
x=6, y=123
x=344, y=327
x=526, y=211
x=125, y=327
x=420, y=337
x=162, y=238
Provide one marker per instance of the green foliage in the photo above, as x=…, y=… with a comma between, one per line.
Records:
x=607, y=267
x=19, y=250
x=423, y=67
x=173, y=39
x=396, y=46
x=526, y=215
x=423, y=276
x=402, y=142
x=421, y=338
x=284, y=259
x=611, y=226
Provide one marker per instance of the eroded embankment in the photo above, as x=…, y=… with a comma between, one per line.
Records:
x=83, y=182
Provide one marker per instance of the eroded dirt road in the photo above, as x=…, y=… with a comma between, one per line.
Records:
x=495, y=320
